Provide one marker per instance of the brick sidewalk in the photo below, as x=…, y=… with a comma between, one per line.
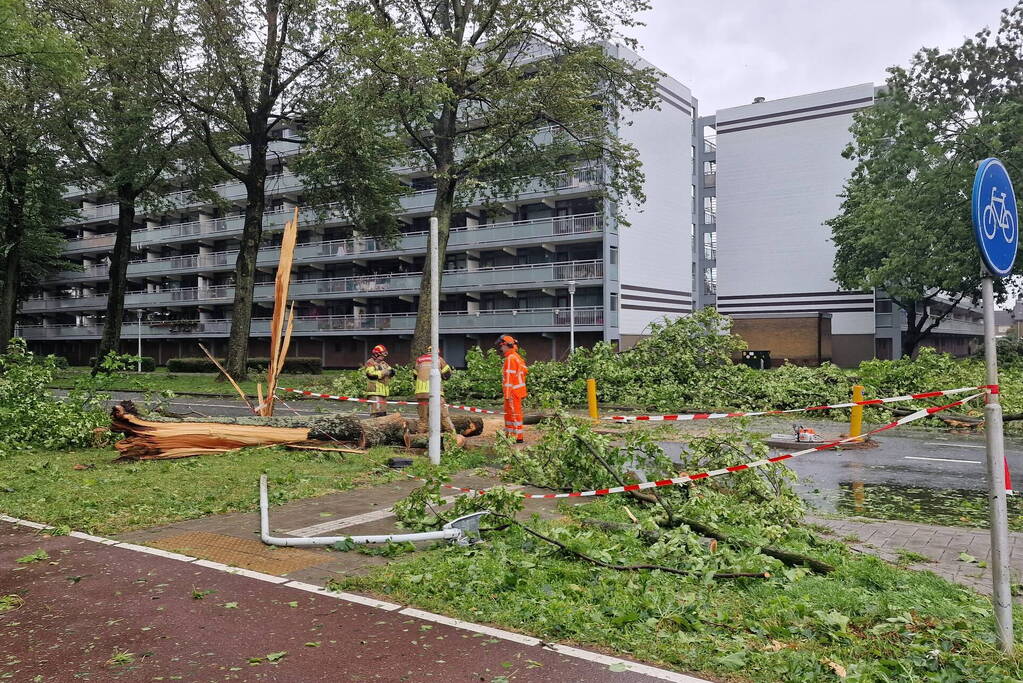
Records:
x=941, y=544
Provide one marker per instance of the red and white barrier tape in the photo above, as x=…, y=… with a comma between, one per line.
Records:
x=332, y=397
x=735, y=468
x=869, y=402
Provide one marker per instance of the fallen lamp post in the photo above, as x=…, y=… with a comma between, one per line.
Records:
x=463, y=531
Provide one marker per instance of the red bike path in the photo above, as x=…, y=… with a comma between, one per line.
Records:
x=181, y=619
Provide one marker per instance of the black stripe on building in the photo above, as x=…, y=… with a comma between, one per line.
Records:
x=636, y=307
x=790, y=296
x=795, y=120
x=654, y=290
x=801, y=110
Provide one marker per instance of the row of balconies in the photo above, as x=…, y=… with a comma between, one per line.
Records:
x=540, y=319
x=516, y=233
x=583, y=178
x=530, y=276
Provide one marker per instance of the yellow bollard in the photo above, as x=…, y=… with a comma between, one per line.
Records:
x=591, y=398
x=856, y=413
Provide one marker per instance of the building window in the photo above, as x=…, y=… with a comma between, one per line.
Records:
x=692, y=191
x=613, y=256
x=614, y=301
x=883, y=306
x=710, y=246
x=710, y=280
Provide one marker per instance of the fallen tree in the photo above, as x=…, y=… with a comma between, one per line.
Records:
x=151, y=439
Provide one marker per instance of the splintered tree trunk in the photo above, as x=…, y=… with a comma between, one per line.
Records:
x=375, y=431
x=245, y=266
x=111, y=339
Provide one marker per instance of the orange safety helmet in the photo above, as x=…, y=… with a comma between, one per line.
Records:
x=379, y=350
x=507, y=339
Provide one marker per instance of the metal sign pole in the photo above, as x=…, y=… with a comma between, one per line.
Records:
x=996, y=229
x=1002, y=595
x=434, y=444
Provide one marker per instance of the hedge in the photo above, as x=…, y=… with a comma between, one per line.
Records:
x=148, y=363
x=293, y=365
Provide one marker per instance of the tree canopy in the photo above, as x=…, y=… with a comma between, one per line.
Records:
x=905, y=225
x=491, y=97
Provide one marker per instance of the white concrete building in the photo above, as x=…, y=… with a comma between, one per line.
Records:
x=779, y=176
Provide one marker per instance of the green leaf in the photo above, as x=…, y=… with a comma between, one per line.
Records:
x=966, y=557
x=618, y=667
x=230, y=605
x=37, y=556
x=736, y=660
x=276, y=656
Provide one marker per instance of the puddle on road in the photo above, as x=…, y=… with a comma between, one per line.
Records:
x=951, y=507
x=945, y=507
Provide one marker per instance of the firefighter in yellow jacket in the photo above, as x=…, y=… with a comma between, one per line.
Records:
x=514, y=385
x=423, y=366
x=378, y=380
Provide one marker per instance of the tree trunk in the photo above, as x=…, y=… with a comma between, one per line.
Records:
x=245, y=267
x=111, y=339
x=442, y=209
x=15, y=181
x=443, y=206
x=466, y=425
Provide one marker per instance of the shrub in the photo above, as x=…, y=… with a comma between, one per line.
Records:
x=293, y=365
x=148, y=363
x=30, y=415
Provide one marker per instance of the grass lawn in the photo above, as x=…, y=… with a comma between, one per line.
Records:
x=868, y=621
x=112, y=497
x=179, y=382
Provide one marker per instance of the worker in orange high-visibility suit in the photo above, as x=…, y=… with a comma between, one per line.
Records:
x=514, y=382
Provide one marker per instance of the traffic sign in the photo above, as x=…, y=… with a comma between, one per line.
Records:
x=995, y=222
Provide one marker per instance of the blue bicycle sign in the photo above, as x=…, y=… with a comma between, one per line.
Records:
x=995, y=221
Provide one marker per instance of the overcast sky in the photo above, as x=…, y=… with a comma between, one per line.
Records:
x=730, y=51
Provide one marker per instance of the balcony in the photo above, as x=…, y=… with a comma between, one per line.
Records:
x=554, y=229
x=520, y=320
x=528, y=276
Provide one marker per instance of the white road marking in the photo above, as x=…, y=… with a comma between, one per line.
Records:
x=913, y=457
x=364, y=518
x=953, y=445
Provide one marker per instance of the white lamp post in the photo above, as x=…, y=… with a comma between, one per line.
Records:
x=571, y=316
x=139, y=314
x=434, y=442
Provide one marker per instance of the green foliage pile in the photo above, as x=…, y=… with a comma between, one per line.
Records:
x=865, y=621
x=687, y=364
x=292, y=365
x=30, y=415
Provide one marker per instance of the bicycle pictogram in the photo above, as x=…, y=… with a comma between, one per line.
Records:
x=997, y=215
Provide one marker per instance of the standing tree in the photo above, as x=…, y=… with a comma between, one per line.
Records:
x=123, y=137
x=905, y=226
x=249, y=64
x=465, y=86
x=35, y=60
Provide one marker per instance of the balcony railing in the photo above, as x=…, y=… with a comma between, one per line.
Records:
x=528, y=275
x=334, y=250
x=501, y=319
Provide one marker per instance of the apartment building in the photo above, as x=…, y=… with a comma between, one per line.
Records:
x=778, y=175
x=507, y=270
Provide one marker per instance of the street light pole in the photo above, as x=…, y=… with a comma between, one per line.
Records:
x=139, y=314
x=571, y=316
x=434, y=443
